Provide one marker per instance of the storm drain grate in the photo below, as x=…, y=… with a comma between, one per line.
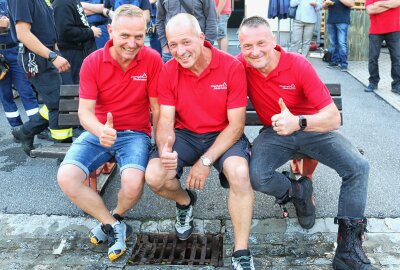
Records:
x=166, y=249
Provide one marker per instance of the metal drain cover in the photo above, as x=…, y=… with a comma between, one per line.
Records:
x=166, y=249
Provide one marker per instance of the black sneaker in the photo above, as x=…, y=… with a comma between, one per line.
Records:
x=184, y=218
x=25, y=140
x=396, y=90
x=303, y=200
x=370, y=88
x=242, y=260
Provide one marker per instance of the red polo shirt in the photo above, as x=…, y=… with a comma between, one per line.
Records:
x=201, y=102
x=385, y=22
x=124, y=94
x=294, y=80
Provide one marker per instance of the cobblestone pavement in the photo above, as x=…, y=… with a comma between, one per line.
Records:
x=60, y=242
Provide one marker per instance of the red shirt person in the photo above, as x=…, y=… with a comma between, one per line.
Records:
x=203, y=99
x=299, y=115
x=117, y=89
x=384, y=26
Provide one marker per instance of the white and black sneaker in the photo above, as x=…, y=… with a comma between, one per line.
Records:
x=184, y=218
x=242, y=260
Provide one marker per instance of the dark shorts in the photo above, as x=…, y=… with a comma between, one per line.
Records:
x=191, y=146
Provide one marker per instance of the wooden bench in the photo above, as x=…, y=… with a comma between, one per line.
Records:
x=68, y=117
x=301, y=164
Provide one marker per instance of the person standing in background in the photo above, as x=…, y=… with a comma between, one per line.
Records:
x=32, y=23
x=338, y=26
x=224, y=11
x=385, y=25
x=11, y=73
x=304, y=24
x=76, y=37
x=142, y=4
x=94, y=12
x=152, y=29
x=203, y=10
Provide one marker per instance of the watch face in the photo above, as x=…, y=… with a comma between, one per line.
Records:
x=206, y=161
x=52, y=55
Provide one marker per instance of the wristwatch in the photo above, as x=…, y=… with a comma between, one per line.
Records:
x=52, y=56
x=206, y=161
x=302, y=122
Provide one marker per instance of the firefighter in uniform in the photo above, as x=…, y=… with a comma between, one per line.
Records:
x=33, y=25
x=11, y=73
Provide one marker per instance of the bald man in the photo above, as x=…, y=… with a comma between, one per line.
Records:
x=203, y=99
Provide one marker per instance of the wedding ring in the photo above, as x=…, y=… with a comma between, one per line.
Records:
x=276, y=123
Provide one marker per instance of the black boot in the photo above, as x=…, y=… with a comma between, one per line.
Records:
x=301, y=195
x=25, y=139
x=349, y=254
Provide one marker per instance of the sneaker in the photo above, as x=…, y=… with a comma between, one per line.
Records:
x=242, y=260
x=303, y=201
x=98, y=234
x=24, y=139
x=370, y=88
x=332, y=65
x=343, y=69
x=184, y=218
x=396, y=90
x=118, y=233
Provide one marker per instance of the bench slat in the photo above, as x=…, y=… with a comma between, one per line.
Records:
x=69, y=90
x=68, y=105
x=68, y=120
x=334, y=89
x=57, y=150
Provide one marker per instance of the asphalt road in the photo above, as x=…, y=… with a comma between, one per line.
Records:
x=29, y=185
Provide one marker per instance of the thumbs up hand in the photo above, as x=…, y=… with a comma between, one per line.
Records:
x=169, y=158
x=108, y=133
x=285, y=123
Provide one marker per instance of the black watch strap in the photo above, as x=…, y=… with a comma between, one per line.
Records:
x=52, y=56
x=302, y=122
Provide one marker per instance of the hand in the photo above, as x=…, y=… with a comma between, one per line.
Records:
x=285, y=123
x=197, y=176
x=4, y=22
x=313, y=3
x=61, y=64
x=108, y=134
x=96, y=31
x=169, y=158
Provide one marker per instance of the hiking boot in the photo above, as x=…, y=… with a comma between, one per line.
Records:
x=333, y=65
x=14, y=128
x=301, y=195
x=184, y=217
x=242, y=260
x=349, y=254
x=370, y=88
x=98, y=234
x=118, y=233
x=25, y=140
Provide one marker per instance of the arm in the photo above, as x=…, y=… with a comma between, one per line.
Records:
x=325, y=120
x=160, y=24
x=210, y=14
x=106, y=133
x=348, y=3
x=91, y=9
x=25, y=35
x=155, y=113
x=228, y=137
x=221, y=5
x=165, y=126
x=375, y=8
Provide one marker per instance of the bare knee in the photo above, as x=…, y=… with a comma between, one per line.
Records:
x=155, y=177
x=132, y=187
x=70, y=178
x=239, y=180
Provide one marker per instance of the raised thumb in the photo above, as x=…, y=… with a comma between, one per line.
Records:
x=282, y=104
x=110, y=122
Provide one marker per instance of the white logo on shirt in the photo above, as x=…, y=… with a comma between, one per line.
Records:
x=223, y=86
x=140, y=77
x=288, y=87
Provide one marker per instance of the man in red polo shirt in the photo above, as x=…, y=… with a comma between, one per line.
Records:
x=299, y=115
x=203, y=99
x=118, y=87
x=384, y=26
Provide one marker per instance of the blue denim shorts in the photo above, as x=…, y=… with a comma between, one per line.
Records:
x=131, y=150
x=222, y=25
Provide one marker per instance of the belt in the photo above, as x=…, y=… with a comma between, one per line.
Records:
x=4, y=46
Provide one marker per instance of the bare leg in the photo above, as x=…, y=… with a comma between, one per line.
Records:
x=164, y=183
x=240, y=199
x=71, y=178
